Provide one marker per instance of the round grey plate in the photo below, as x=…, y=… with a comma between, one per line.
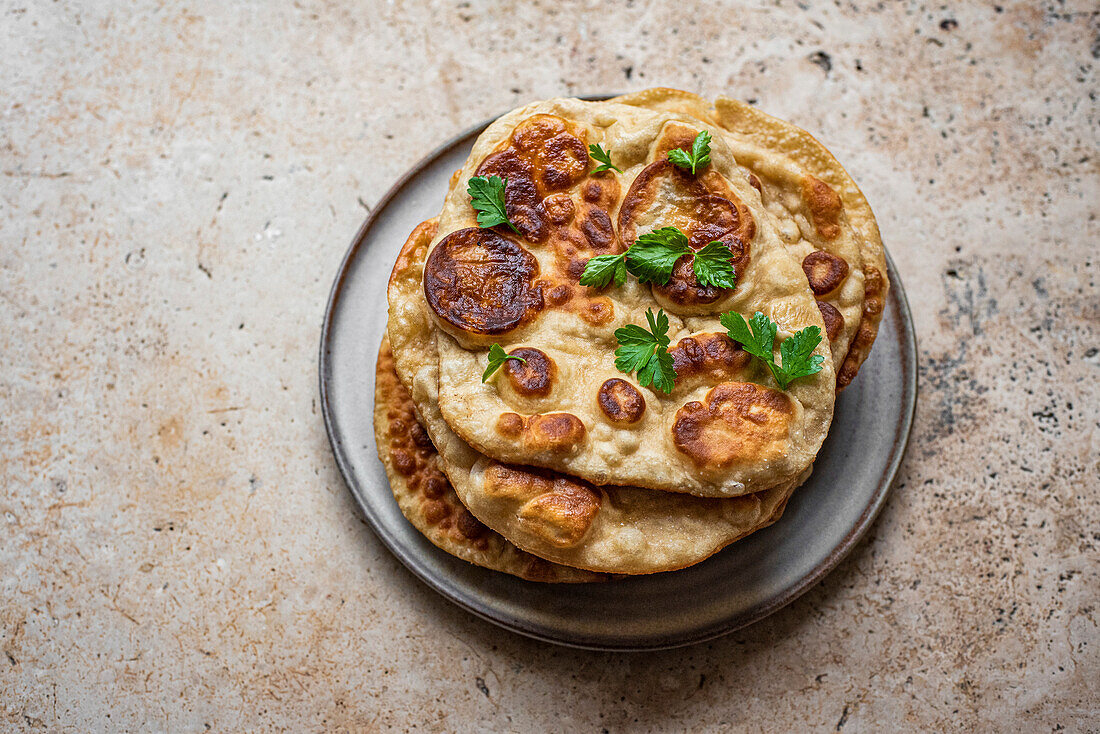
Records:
x=746, y=582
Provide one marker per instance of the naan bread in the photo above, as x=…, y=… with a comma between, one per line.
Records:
x=726, y=429
x=426, y=497
x=560, y=518
x=829, y=223
x=797, y=144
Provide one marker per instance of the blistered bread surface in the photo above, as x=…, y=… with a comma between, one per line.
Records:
x=568, y=408
x=565, y=519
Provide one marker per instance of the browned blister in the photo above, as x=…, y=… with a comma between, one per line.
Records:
x=736, y=422
x=834, y=320
x=542, y=156
x=557, y=206
x=553, y=432
x=710, y=355
x=480, y=282
x=825, y=271
x=874, y=300
x=825, y=206
x=620, y=401
x=534, y=376
x=703, y=207
x=558, y=509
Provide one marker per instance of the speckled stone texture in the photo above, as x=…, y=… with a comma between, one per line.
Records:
x=178, y=185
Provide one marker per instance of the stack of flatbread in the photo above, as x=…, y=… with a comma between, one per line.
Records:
x=558, y=465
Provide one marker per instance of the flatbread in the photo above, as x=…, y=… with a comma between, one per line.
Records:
x=610, y=529
x=800, y=176
x=797, y=144
x=726, y=429
x=428, y=500
x=813, y=222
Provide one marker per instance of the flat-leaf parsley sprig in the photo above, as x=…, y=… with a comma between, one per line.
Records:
x=604, y=269
x=714, y=266
x=646, y=352
x=497, y=357
x=652, y=257
x=603, y=157
x=697, y=158
x=487, y=198
x=757, y=336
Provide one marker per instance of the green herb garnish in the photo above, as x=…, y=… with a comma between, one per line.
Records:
x=714, y=266
x=646, y=352
x=602, y=269
x=697, y=158
x=487, y=197
x=497, y=357
x=652, y=257
x=757, y=336
x=604, y=158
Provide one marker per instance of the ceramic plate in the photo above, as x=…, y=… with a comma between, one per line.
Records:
x=738, y=586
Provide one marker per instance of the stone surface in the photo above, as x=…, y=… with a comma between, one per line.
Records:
x=177, y=187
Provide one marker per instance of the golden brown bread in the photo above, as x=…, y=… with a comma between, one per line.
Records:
x=426, y=496
x=806, y=250
x=491, y=286
x=828, y=223
x=560, y=518
x=797, y=144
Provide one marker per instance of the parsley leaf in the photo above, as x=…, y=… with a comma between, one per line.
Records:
x=651, y=257
x=659, y=372
x=797, y=353
x=759, y=341
x=714, y=266
x=699, y=156
x=487, y=197
x=602, y=269
x=646, y=352
x=497, y=357
x=604, y=158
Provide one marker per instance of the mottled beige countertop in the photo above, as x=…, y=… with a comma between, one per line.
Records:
x=178, y=184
